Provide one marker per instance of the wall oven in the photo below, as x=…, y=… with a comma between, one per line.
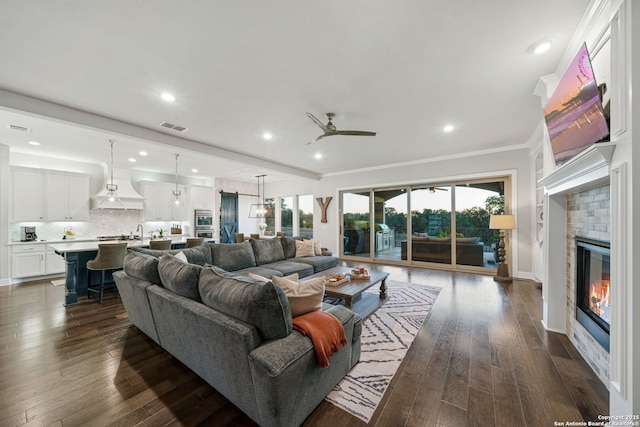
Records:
x=203, y=223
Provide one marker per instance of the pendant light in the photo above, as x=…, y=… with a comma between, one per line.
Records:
x=260, y=210
x=112, y=196
x=176, y=193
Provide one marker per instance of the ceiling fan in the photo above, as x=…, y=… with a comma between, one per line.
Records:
x=330, y=129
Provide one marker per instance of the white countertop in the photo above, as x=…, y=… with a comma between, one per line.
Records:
x=175, y=238
x=85, y=246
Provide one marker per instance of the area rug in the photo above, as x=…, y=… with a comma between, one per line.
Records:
x=386, y=336
x=58, y=282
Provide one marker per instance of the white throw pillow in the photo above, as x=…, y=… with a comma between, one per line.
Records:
x=259, y=278
x=303, y=297
x=182, y=257
x=304, y=248
x=316, y=247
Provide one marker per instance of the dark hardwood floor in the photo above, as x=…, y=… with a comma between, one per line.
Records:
x=481, y=358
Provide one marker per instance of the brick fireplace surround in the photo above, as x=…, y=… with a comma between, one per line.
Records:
x=588, y=215
x=581, y=198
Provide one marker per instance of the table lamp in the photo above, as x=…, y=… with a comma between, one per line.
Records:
x=502, y=223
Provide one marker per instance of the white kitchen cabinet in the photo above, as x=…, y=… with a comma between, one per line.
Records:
x=67, y=197
x=27, y=197
x=54, y=263
x=159, y=202
x=27, y=260
x=201, y=197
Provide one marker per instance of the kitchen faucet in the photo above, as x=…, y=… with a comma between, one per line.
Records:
x=141, y=229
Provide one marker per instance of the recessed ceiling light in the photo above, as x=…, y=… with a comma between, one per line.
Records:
x=194, y=170
x=132, y=160
x=448, y=128
x=541, y=46
x=143, y=153
x=267, y=136
x=318, y=155
x=33, y=143
x=168, y=97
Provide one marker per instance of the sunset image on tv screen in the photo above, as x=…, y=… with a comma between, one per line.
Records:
x=574, y=114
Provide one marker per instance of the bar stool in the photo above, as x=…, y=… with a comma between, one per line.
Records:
x=255, y=236
x=160, y=244
x=194, y=241
x=110, y=258
x=281, y=233
x=239, y=237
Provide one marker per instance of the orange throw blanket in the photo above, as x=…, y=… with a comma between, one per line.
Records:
x=326, y=333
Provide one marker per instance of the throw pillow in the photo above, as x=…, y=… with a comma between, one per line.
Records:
x=259, y=278
x=142, y=267
x=179, y=277
x=304, y=248
x=304, y=296
x=263, y=305
x=317, y=250
x=182, y=257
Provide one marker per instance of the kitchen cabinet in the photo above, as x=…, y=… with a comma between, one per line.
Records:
x=53, y=262
x=67, y=197
x=27, y=196
x=201, y=197
x=27, y=260
x=159, y=202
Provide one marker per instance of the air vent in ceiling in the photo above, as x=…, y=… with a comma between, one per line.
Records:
x=177, y=128
x=18, y=128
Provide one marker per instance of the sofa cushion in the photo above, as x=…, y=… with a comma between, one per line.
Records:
x=179, y=276
x=289, y=246
x=289, y=267
x=267, y=251
x=304, y=248
x=200, y=255
x=142, y=266
x=232, y=256
x=263, y=305
x=319, y=263
x=303, y=296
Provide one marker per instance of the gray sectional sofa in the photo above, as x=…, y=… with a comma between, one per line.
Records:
x=234, y=332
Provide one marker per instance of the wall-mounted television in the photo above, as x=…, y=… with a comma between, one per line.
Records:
x=574, y=115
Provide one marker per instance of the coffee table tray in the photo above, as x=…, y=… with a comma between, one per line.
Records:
x=335, y=283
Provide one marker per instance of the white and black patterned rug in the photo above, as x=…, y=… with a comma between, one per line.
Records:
x=386, y=336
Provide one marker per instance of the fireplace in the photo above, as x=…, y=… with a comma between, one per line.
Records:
x=593, y=305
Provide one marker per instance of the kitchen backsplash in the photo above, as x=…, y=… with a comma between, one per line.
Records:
x=102, y=222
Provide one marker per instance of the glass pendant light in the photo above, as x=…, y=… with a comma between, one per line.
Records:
x=176, y=193
x=260, y=210
x=112, y=189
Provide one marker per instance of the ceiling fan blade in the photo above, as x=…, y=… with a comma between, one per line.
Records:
x=318, y=122
x=355, y=132
x=318, y=138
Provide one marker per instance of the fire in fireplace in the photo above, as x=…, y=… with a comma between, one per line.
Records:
x=593, y=309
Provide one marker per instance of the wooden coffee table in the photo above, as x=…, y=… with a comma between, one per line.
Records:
x=352, y=292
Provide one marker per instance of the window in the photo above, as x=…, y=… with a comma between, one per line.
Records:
x=305, y=216
x=286, y=215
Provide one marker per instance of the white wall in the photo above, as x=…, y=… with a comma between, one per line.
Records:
x=4, y=214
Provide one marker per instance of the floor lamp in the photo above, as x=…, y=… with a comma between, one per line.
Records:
x=502, y=223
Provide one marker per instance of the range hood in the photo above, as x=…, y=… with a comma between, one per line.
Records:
x=129, y=198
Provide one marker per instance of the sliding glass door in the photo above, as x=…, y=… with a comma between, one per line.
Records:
x=445, y=223
x=430, y=225
x=356, y=222
x=390, y=207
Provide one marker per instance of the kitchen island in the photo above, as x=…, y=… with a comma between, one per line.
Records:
x=76, y=255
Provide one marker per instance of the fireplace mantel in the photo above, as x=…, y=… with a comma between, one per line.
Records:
x=588, y=169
